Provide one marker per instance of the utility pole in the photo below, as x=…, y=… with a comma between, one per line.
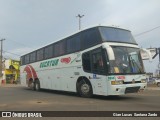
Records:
x=159, y=61
x=1, y=60
x=80, y=16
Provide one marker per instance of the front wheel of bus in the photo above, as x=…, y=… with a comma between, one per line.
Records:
x=85, y=89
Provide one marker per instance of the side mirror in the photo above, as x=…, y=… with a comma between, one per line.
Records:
x=109, y=51
x=146, y=54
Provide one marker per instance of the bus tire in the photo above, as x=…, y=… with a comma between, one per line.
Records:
x=37, y=85
x=158, y=84
x=84, y=88
x=31, y=84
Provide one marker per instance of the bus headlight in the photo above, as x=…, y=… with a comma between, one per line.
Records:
x=119, y=82
x=143, y=81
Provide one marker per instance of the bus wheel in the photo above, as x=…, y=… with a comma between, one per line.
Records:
x=84, y=89
x=31, y=85
x=158, y=84
x=37, y=85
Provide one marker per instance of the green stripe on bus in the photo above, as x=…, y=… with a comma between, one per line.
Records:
x=49, y=63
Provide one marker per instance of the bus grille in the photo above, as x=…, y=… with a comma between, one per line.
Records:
x=132, y=89
x=131, y=82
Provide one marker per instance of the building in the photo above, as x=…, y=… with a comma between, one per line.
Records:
x=11, y=71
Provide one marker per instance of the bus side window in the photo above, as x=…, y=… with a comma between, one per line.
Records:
x=32, y=57
x=26, y=59
x=60, y=48
x=73, y=44
x=90, y=38
x=48, y=52
x=22, y=60
x=40, y=54
x=86, y=62
x=97, y=62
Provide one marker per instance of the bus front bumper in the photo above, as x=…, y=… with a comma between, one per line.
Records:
x=125, y=89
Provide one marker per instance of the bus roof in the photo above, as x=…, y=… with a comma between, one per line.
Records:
x=96, y=27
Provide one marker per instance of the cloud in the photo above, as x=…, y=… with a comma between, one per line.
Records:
x=133, y=14
x=39, y=22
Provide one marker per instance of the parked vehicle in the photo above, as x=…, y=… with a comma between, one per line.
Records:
x=157, y=81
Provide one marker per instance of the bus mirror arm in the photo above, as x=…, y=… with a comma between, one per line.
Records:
x=104, y=46
x=148, y=54
x=109, y=51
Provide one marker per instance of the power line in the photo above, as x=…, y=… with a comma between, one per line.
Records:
x=147, y=31
x=10, y=57
x=11, y=53
x=18, y=43
x=6, y=57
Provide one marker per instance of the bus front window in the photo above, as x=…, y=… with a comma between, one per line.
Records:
x=127, y=61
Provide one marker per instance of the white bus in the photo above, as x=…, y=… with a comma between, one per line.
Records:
x=100, y=60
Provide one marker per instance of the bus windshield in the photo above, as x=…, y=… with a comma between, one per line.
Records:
x=110, y=34
x=127, y=61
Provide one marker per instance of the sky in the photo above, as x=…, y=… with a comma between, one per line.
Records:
x=29, y=24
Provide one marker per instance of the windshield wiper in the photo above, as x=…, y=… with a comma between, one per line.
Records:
x=135, y=64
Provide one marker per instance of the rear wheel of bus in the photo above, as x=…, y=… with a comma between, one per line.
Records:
x=31, y=84
x=37, y=85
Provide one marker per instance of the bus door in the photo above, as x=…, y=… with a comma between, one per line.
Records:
x=94, y=63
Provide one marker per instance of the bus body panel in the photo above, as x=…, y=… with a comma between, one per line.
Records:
x=65, y=74
x=130, y=81
x=62, y=73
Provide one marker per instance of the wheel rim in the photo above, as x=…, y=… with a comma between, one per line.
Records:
x=85, y=88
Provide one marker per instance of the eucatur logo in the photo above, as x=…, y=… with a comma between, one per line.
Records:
x=66, y=60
